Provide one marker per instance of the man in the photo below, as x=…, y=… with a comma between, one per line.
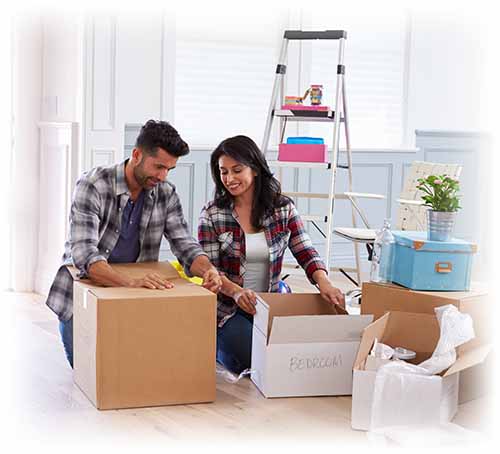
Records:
x=119, y=214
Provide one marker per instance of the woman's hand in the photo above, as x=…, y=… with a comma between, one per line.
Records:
x=211, y=280
x=332, y=294
x=329, y=293
x=246, y=300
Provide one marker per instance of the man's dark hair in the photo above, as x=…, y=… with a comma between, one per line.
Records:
x=161, y=134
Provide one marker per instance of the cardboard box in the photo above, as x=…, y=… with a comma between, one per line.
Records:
x=303, y=346
x=426, y=399
x=380, y=298
x=377, y=299
x=136, y=347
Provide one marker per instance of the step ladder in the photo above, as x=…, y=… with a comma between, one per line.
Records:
x=337, y=117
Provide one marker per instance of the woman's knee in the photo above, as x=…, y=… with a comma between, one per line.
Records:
x=234, y=343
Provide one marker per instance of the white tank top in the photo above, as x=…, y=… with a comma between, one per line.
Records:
x=256, y=275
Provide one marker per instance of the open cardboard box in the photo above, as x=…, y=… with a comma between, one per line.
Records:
x=426, y=400
x=303, y=346
x=136, y=347
x=379, y=298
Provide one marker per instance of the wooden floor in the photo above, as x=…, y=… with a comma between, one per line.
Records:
x=49, y=408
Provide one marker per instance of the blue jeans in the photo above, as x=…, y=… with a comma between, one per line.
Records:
x=234, y=342
x=66, y=330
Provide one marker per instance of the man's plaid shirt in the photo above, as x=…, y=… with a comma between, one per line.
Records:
x=98, y=202
x=222, y=238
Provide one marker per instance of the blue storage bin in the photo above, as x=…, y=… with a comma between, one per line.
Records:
x=308, y=140
x=421, y=264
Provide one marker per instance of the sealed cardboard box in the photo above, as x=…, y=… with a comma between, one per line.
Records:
x=136, y=347
x=303, y=346
x=426, y=399
x=381, y=298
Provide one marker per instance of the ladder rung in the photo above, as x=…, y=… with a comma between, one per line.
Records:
x=325, y=34
x=332, y=268
x=314, y=195
x=302, y=164
x=314, y=218
x=312, y=165
x=306, y=195
x=348, y=269
x=306, y=115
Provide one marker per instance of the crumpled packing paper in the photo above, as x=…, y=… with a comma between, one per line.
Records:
x=397, y=381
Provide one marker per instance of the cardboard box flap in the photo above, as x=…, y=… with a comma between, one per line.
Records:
x=415, y=331
x=373, y=331
x=180, y=289
x=261, y=317
x=136, y=270
x=318, y=328
x=469, y=358
x=290, y=304
x=297, y=304
x=278, y=304
x=477, y=289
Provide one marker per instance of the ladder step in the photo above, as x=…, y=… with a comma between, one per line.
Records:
x=311, y=165
x=302, y=164
x=291, y=265
x=306, y=195
x=314, y=218
x=324, y=34
x=306, y=115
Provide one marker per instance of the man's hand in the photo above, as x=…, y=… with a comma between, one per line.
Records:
x=152, y=281
x=101, y=273
x=246, y=300
x=211, y=280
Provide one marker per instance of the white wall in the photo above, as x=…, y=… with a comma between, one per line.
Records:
x=445, y=71
x=62, y=68
x=47, y=86
x=27, y=93
x=6, y=33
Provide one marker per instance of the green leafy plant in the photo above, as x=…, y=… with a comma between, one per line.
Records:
x=440, y=192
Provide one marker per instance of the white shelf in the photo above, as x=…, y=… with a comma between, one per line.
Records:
x=307, y=115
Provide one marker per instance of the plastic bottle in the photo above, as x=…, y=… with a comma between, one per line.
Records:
x=383, y=255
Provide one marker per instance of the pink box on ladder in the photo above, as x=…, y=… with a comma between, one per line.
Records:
x=303, y=152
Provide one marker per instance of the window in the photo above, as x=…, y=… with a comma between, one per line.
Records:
x=375, y=58
x=224, y=72
x=225, y=69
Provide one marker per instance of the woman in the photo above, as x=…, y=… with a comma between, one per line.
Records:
x=245, y=231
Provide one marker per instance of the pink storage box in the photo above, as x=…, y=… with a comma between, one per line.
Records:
x=303, y=152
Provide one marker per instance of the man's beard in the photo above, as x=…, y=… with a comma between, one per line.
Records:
x=141, y=177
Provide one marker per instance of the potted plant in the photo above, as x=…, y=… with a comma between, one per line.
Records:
x=440, y=194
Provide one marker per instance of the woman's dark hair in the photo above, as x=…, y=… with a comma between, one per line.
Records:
x=267, y=189
x=161, y=134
